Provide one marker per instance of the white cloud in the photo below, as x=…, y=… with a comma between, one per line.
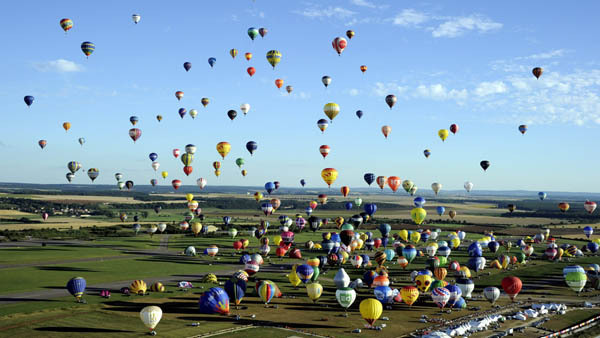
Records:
x=60, y=66
x=410, y=17
x=363, y=3
x=384, y=89
x=353, y=92
x=326, y=12
x=490, y=88
x=458, y=26
x=440, y=92
x=547, y=55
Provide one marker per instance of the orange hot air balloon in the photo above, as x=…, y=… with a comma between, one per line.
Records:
x=313, y=205
x=386, y=130
x=179, y=95
x=345, y=190
x=329, y=175
x=394, y=182
x=223, y=148
x=279, y=83
x=276, y=203
x=217, y=165
x=363, y=68
x=563, y=206
x=324, y=150
x=248, y=56
x=67, y=126
x=381, y=181
x=251, y=71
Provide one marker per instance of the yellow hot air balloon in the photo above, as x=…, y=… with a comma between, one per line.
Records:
x=314, y=291
x=409, y=294
x=277, y=240
x=67, y=126
x=403, y=234
x=273, y=57
x=223, y=148
x=244, y=172
x=455, y=242
x=339, y=221
x=443, y=134
x=233, y=52
x=293, y=277
x=423, y=282
x=465, y=272
x=370, y=310
x=217, y=172
x=138, y=287
x=196, y=228
x=418, y=215
x=329, y=175
x=258, y=196
x=165, y=174
x=331, y=110
x=415, y=237
x=189, y=197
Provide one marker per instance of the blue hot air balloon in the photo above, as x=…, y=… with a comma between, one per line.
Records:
x=455, y=294
x=134, y=120
x=305, y=272
x=593, y=247
x=588, y=231
x=235, y=289
x=212, y=61
x=251, y=146
x=302, y=182
x=369, y=276
x=369, y=178
x=419, y=202
x=475, y=250
x=384, y=294
x=215, y=300
x=370, y=209
x=270, y=187
x=460, y=303
x=440, y=210
x=424, y=237
x=153, y=156
x=522, y=128
x=348, y=205
x=542, y=195
x=476, y=263
x=359, y=113
x=493, y=246
x=385, y=229
x=244, y=259
x=187, y=66
x=154, y=182
x=409, y=252
x=308, y=211
x=76, y=287
x=28, y=100
x=226, y=220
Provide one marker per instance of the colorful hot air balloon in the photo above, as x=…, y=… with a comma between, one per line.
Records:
x=523, y=129
x=87, y=48
x=512, y=286
x=394, y=183
x=329, y=175
x=232, y=114
x=273, y=57
x=187, y=66
x=212, y=61
x=233, y=52
x=93, y=173
x=66, y=126
x=410, y=294
x=278, y=83
x=350, y=34
x=324, y=150
x=66, y=24
x=427, y=153
x=42, y=143
x=363, y=68
x=289, y=89
x=537, y=72
x=339, y=44
x=251, y=71
x=136, y=18
x=262, y=31
x=223, y=148
x=436, y=187
x=322, y=124
x=331, y=110
x=345, y=297
x=345, y=190
x=76, y=287
x=563, y=206
x=418, y=215
x=314, y=291
x=215, y=300
x=589, y=206
x=135, y=134
x=386, y=130
x=253, y=33
x=245, y=108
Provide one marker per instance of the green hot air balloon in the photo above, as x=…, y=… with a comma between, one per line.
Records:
x=345, y=297
x=252, y=33
x=576, y=280
x=240, y=162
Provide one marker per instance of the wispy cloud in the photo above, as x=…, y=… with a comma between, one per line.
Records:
x=410, y=17
x=521, y=64
x=363, y=3
x=458, y=26
x=318, y=12
x=384, y=89
x=439, y=92
x=490, y=88
x=59, y=66
x=353, y=92
x=547, y=55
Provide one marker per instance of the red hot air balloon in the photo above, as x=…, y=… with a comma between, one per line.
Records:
x=176, y=153
x=279, y=83
x=176, y=184
x=394, y=182
x=512, y=286
x=381, y=181
x=454, y=128
x=251, y=71
x=324, y=150
x=345, y=190
x=363, y=68
x=339, y=44
x=45, y=216
x=135, y=134
x=188, y=170
x=537, y=72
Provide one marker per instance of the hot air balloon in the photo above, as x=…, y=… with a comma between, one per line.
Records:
x=410, y=294
x=28, y=100
x=326, y=80
x=329, y=175
x=386, y=130
x=491, y=293
x=289, y=89
x=302, y=182
x=468, y=186
x=314, y=291
x=537, y=72
x=66, y=24
x=273, y=57
x=87, y=48
x=76, y=287
x=159, y=118
x=331, y=110
x=136, y=18
x=262, y=31
x=588, y=231
x=484, y=165
x=66, y=126
x=418, y=215
x=359, y=114
x=345, y=297
x=212, y=61
x=266, y=291
x=251, y=146
x=322, y=124
x=251, y=71
x=339, y=44
x=443, y=134
x=523, y=129
x=427, y=153
x=563, y=206
x=440, y=210
x=589, y=206
x=42, y=143
x=233, y=52
x=345, y=190
x=440, y=296
x=391, y=100
x=542, y=195
x=93, y=173
x=232, y=114
x=394, y=183
x=176, y=184
x=73, y=166
x=436, y=187
x=245, y=108
x=253, y=33
x=369, y=178
x=135, y=134
x=363, y=68
x=381, y=181
x=205, y=101
x=370, y=310
x=223, y=148
x=350, y=34
x=215, y=300
x=512, y=286
x=187, y=66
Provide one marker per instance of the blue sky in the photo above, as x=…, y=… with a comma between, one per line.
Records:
x=464, y=62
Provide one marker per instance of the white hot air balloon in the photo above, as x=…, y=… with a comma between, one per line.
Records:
x=245, y=108
x=155, y=165
x=341, y=279
x=201, y=183
x=190, y=149
x=136, y=18
x=121, y=185
x=118, y=177
x=162, y=227
x=150, y=316
x=436, y=187
x=491, y=293
x=468, y=186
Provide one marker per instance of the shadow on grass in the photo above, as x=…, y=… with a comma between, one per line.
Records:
x=18, y=299
x=230, y=319
x=78, y=329
x=63, y=268
x=167, y=307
